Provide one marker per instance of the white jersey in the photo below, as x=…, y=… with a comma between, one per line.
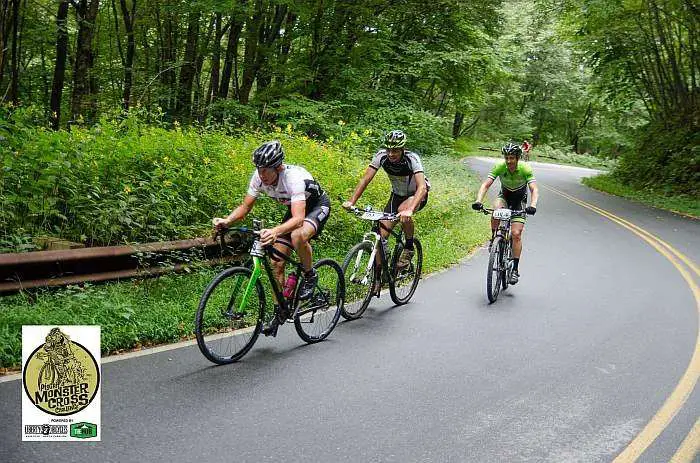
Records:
x=401, y=173
x=294, y=184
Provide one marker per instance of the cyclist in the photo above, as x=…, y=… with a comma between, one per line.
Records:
x=526, y=149
x=516, y=177
x=307, y=213
x=409, y=188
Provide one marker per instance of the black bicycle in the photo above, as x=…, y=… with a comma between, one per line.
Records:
x=232, y=310
x=364, y=277
x=500, y=252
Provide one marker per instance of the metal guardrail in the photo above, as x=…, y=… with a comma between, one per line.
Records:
x=19, y=271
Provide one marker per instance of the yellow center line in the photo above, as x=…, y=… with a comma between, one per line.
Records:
x=690, y=446
x=686, y=384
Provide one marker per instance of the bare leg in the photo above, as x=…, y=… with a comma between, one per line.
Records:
x=278, y=267
x=408, y=227
x=516, y=231
x=300, y=241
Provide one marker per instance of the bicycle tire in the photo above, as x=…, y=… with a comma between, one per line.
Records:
x=493, y=277
x=411, y=279
x=325, y=304
x=352, y=289
x=219, y=297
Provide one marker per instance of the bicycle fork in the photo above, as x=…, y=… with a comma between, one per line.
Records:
x=373, y=239
x=231, y=311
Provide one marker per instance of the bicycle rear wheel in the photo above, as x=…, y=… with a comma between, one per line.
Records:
x=359, y=277
x=493, y=277
x=405, y=282
x=316, y=317
x=226, y=325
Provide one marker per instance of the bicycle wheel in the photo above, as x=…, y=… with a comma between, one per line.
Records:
x=226, y=326
x=493, y=277
x=359, y=280
x=316, y=317
x=405, y=282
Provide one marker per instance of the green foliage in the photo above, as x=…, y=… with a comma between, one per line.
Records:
x=667, y=158
x=662, y=198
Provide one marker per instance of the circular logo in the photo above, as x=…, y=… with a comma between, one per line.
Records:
x=61, y=376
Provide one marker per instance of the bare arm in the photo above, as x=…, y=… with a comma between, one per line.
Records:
x=535, y=194
x=483, y=189
x=294, y=222
x=238, y=213
x=364, y=181
x=421, y=191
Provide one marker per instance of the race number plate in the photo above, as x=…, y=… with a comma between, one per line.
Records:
x=502, y=214
x=372, y=215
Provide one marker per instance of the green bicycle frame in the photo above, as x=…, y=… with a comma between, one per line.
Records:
x=257, y=270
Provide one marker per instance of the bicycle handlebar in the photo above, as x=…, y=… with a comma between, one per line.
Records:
x=487, y=211
x=385, y=215
x=358, y=212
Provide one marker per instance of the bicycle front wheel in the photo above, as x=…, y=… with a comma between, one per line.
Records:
x=316, y=317
x=359, y=276
x=404, y=282
x=229, y=316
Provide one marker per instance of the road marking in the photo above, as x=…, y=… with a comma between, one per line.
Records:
x=690, y=446
x=686, y=384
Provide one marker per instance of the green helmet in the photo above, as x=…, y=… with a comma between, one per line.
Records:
x=395, y=139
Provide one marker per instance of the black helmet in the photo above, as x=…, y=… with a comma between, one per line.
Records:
x=269, y=154
x=512, y=149
x=395, y=139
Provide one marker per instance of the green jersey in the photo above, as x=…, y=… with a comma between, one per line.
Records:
x=513, y=182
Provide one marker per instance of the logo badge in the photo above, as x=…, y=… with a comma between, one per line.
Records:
x=83, y=430
x=61, y=379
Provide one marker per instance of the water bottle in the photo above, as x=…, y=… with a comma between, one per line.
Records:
x=289, y=285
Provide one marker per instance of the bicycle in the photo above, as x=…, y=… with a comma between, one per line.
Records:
x=361, y=271
x=500, y=252
x=232, y=309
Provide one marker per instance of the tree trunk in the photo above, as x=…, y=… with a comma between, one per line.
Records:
x=14, y=65
x=187, y=70
x=213, y=91
x=231, y=59
x=59, y=72
x=199, y=64
x=251, y=52
x=3, y=37
x=457, y=124
x=129, y=21
x=83, y=101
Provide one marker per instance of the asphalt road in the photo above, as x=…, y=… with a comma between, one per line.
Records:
x=568, y=365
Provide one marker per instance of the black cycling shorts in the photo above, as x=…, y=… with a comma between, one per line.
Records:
x=392, y=206
x=316, y=214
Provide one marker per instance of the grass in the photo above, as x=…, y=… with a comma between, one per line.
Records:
x=140, y=313
x=682, y=204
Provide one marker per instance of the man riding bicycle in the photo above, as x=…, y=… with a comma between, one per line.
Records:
x=516, y=177
x=307, y=213
x=409, y=188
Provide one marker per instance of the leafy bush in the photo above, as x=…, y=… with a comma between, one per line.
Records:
x=667, y=157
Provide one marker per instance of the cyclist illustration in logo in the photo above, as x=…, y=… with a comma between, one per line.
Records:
x=61, y=367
